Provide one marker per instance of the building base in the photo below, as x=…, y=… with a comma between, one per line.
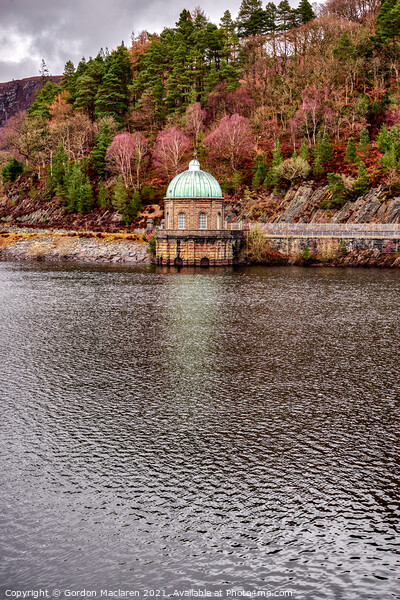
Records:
x=198, y=248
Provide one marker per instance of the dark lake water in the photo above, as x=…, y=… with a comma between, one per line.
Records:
x=215, y=430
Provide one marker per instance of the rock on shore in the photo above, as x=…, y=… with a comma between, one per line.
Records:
x=75, y=247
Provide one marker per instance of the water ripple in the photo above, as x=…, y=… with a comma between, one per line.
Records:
x=219, y=429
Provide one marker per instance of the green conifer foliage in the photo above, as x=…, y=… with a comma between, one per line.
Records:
x=389, y=159
x=344, y=49
x=304, y=151
x=85, y=200
x=230, y=74
x=112, y=97
x=212, y=79
x=12, y=170
x=58, y=171
x=270, y=17
x=351, y=152
x=305, y=11
x=247, y=9
x=318, y=159
x=85, y=93
x=362, y=182
x=383, y=140
x=121, y=197
x=388, y=20
x=67, y=81
x=260, y=170
x=318, y=140
x=285, y=16
x=102, y=196
x=364, y=141
x=44, y=98
x=98, y=155
x=338, y=190
x=318, y=168
x=325, y=149
x=79, y=194
x=229, y=37
x=132, y=208
x=277, y=157
x=272, y=178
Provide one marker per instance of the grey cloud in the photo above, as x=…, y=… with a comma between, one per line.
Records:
x=58, y=30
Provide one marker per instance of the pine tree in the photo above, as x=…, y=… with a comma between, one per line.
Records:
x=121, y=197
x=388, y=20
x=285, y=16
x=318, y=168
x=305, y=11
x=389, y=159
x=230, y=39
x=364, y=141
x=85, y=94
x=12, y=170
x=325, y=149
x=44, y=72
x=362, y=182
x=277, y=157
x=112, y=97
x=78, y=190
x=257, y=23
x=98, y=155
x=318, y=159
x=68, y=78
x=351, y=153
x=344, y=49
x=304, y=151
x=270, y=18
x=212, y=79
x=272, y=177
x=338, y=190
x=132, y=208
x=44, y=98
x=102, y=196
x=247, y=9
x=230, y=74
x=260, y=171
x=383, y=140
x=58, y=171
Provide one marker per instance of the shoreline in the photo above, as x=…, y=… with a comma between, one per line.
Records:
x=73, y=246
x=24, y=244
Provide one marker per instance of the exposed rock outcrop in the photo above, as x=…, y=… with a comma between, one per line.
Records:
x=302, y=204
x=17, y=95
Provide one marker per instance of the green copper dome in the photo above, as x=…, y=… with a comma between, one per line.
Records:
x=194, y=183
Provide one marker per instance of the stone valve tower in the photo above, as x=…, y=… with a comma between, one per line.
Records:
x=194, y=231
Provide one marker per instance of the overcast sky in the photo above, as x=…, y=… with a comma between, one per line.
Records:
x=61, y=30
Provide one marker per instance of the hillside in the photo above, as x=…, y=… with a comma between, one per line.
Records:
x=18, y=95
x=271, y=100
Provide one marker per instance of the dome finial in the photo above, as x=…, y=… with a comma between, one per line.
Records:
x=194, y=164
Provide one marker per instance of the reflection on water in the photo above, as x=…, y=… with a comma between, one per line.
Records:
x=218, y=429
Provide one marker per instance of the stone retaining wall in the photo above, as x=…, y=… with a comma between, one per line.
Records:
x=295, y=244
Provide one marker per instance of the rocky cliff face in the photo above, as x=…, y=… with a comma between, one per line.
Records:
x=301, y=205
x=17, y=95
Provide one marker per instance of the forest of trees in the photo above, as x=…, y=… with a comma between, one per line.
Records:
x=268, y=99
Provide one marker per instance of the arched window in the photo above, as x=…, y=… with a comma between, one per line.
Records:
x=219, y=221
x=202, y=220
x=168, y=220
x=181, y=220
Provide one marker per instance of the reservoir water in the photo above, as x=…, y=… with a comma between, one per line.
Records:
x=202, y=430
